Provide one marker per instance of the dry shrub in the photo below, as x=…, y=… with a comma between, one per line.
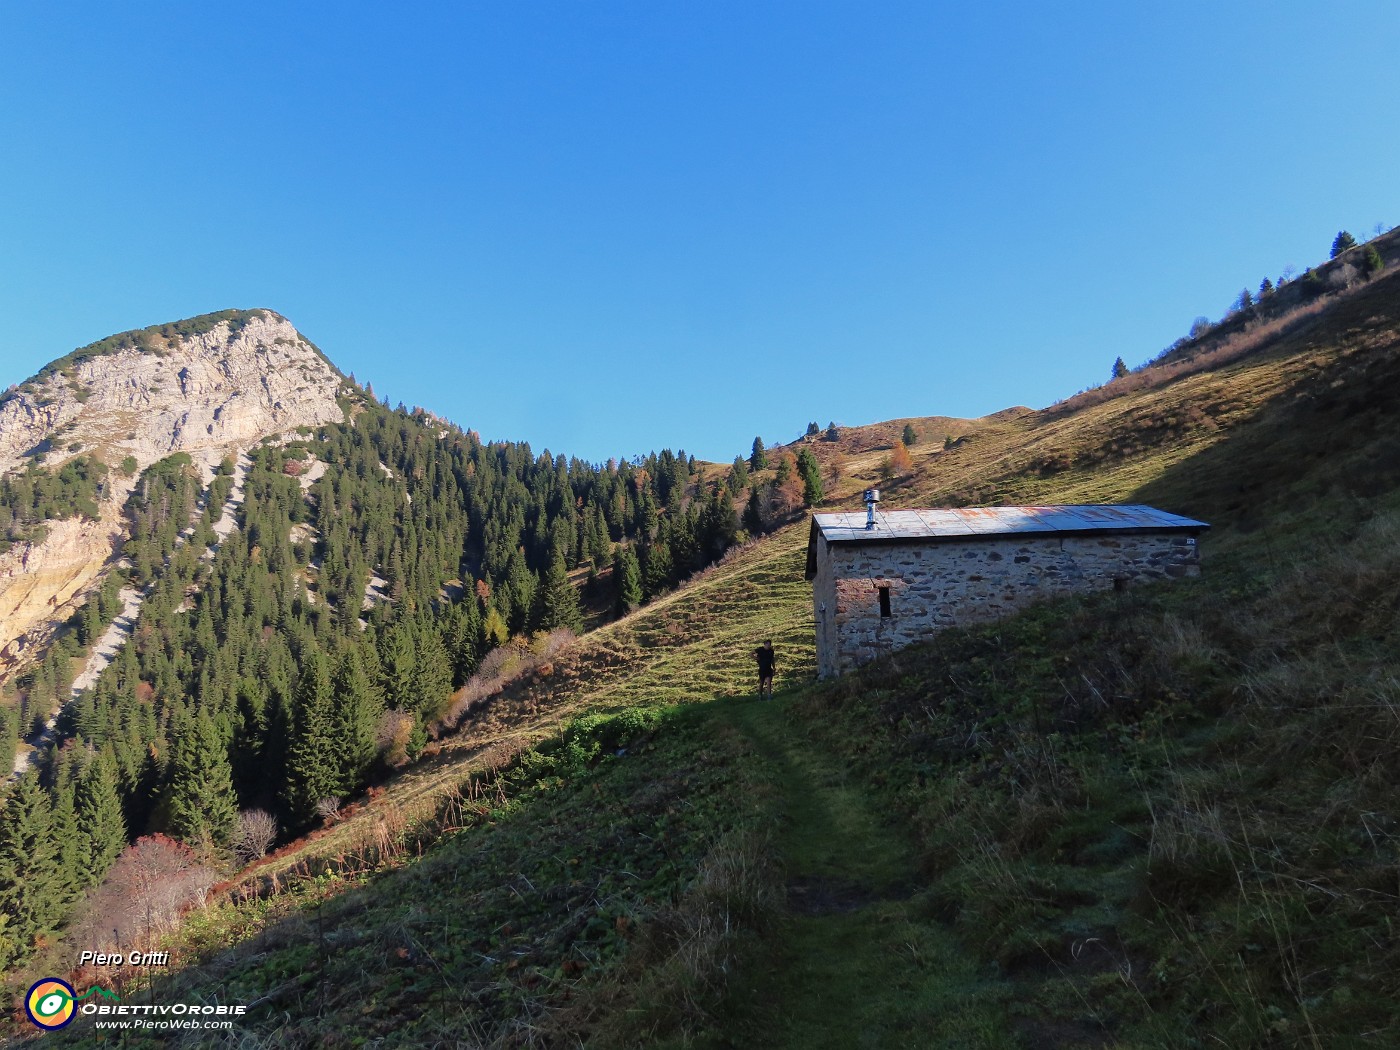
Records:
x=391, y=740
x=502, y=667
x=784, y=500
x=390, y=827
x=328, y=809
x=153, y=882
x=257, y=830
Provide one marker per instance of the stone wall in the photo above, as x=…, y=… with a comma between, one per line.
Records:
x=937, y=584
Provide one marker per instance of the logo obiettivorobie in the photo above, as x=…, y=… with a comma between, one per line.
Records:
x=49, y=1003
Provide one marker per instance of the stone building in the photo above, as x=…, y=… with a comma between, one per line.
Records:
x=883, y=581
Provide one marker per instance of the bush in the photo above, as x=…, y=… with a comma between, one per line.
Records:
x=257, y=830
x=153, y=882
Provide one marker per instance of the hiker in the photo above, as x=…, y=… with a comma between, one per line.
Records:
x=764, y=655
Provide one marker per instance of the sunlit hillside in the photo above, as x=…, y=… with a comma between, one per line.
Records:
x=1049, y=833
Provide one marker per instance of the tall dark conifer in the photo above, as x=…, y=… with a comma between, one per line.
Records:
x=313, y=772
x=99, y=817
x=203, y=806
x=355, y=711
x=627, y=581
x=559, y=605
x=30, y=883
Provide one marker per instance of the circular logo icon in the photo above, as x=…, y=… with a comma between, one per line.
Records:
x=49, y=1003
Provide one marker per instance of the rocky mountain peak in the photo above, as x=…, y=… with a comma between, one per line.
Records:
x=205, y=386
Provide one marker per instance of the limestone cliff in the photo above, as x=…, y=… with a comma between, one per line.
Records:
x=207, y=389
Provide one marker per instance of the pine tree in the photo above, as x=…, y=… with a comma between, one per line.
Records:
x=72, y=844
x=29, y=875
x=396, y=658
x=432, y=672
x=758, y=459
x=99, y=817
x=559, y=604
x=627, y=581
x=1266, y=288
x=1371, y=261
x=203, y=806
x=313, y=771
x=753, y=512
x=354, y=718
x=738, y=474
x=1119, y=368
x=1343, y=242
x=909, y=437
x=811, y=472
x=658, y=568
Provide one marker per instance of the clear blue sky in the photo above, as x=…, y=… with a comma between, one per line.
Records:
x=609, y=227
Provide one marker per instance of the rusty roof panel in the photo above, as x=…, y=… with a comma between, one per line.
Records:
x=963, y=522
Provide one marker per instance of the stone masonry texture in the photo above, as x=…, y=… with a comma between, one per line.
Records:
x=933, y=585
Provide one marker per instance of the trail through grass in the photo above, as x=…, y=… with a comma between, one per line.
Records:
x=858, y=961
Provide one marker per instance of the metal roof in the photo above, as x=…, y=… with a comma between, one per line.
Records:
x=967, y=522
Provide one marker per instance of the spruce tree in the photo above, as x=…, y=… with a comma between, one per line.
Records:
x=753, y=512
x=396, y=664
x=559, y=604
x=1371, y=261
x=313, y=771
x=1119, y=368
x=658, y=568
x=758, y=459
x=29, y=876
x=627, y=581
x=738, y=474
x=1343, y=242
x=811, y=473
x=9, y=736
x=203, y=806
x=99, y=816
x=909, y=437
x=72, y=845
x=354, y=718
x=432, y=672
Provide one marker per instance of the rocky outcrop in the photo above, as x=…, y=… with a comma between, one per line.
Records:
x=41, y=584
x=214, y=392
x=210, y=395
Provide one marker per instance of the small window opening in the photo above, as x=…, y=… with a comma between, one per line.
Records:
x=885, y=601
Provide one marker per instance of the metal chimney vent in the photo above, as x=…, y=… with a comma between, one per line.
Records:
x=872, y=498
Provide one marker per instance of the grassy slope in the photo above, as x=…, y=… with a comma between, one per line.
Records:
x=1295, y=437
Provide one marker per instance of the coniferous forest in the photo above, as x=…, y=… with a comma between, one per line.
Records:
x=279, y=672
